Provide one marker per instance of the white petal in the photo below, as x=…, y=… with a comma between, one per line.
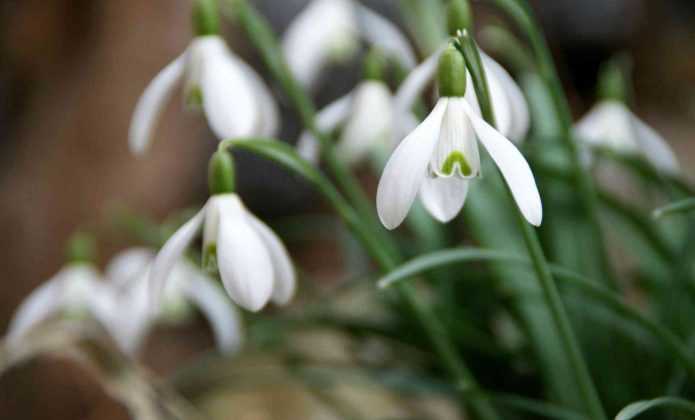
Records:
x=224, y=319
x=513, y=166
x=654, y=148
x=151, y=104
x=327, y=120
x=48, y=299
x=384, y=35
x=608, y=124
x=268, y=110
x=285, y=276
x=370, y=123
x=444, y=197
x=107, y=304
x=520, y=119
x=499, y=99
x=170, y=254
x=406, y=169
x=229, y=97
x=456, y=135
x=415, y=84
x=319, y=31
x=245, y=266
x=128, y=264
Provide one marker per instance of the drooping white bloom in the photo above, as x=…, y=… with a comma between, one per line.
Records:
x=330, y=30
x=234, y=98
x=119, y=301
x=612, y=125
x=253, y=263
x=366, y=117
x=66, y=292
x=439, y=159
x=510, y=107
x=126, y=287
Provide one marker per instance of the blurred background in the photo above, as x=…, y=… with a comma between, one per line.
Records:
x=71, y=72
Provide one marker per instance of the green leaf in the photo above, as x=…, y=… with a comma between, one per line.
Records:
x=635, y=409
x=682, y=206
x=458, y=255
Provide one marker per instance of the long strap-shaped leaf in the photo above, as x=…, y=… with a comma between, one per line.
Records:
x=681, y=206
x=636, y=408
x=461, y=255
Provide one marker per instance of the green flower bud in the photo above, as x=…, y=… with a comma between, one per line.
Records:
x=81, y=248
x=206, y=19
x=221, y=173
x=458, y=16
x=451, y=73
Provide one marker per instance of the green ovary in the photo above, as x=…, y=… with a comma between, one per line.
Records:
x=456, y=158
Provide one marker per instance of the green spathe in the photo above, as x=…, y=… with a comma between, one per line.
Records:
x=454, y=159
x=206, y=19
x=458, y=16
x=221, y=179
x=451, y=73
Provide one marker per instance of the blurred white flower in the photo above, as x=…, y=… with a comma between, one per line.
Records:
x=120, y=302
x=234, y=98
x=331, y=30
x=67, y=292
x=126, y=287
x=508, y=102
x=253, y=263
x=612, y=125
x=366, y=117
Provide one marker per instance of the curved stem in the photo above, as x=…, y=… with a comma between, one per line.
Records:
x=437, y=334
x=521, y=12
x=587, y=389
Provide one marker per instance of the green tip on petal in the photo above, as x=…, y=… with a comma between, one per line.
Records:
x=206, y=19
x=194, y=97
x=458, y=16
x=456, y=159
x=209, y=263
x=221, y=177
x=451, y=73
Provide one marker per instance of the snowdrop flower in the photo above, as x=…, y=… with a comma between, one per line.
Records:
x=119, y=301
x=330, y=30
x=612, y=125
x=126, y=287
x=511, y=109
x=253, y=264
x=67, y=292
x=440, y=157
x=234, y=98
x=366, y=117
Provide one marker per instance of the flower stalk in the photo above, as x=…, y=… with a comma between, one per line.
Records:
x=469, y=50
x=521, y=13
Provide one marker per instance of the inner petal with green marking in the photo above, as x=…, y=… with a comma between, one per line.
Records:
x=456, y=161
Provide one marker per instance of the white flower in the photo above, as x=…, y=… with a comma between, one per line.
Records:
x=66, y=292
x=439, y=159
x=126, y=287
x=253, y=264
x=120, y=301
x=235, y=99
x=508, y=102
x=330, y=30
x=612, y=125
x=366, y=116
